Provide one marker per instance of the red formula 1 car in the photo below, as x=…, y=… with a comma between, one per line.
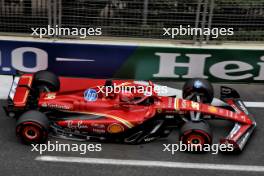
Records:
x=80, y=108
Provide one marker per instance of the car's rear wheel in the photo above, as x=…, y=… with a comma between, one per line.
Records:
x=196, y=135
x=32, y=127
x=199, y=90
x=45, y=81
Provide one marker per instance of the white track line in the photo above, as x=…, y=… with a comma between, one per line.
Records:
x=144, y=163
x=254, y=104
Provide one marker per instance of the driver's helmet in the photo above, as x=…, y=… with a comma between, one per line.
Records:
x=126, y=96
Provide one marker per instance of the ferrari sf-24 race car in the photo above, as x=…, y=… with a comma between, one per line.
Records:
x=78, y=108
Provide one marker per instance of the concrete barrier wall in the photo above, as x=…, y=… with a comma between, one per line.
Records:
x=133, y=61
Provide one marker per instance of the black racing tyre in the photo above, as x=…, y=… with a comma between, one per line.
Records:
x=196, y=133
x=45, y=80
x=198, y=86
x=32, y=127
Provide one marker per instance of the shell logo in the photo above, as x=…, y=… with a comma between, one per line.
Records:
x=212, y=109
x=115, y=128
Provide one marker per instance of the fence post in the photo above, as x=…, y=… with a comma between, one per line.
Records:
x=59, y=12
x=197, y=19
x=2, y=6
x=49, y=9
x=145, y=12
x=210, y=19
x=203, y=21
x=27, y=4
x=54, y=15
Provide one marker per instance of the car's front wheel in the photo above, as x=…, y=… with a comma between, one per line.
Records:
x=196, y=135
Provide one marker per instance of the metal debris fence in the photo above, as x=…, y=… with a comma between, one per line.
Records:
x=137, y=18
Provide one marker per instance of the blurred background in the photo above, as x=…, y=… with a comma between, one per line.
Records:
x=137, y=18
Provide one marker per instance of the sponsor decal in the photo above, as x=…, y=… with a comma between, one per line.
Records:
x=243, y=117
x=169, y=116
x=170, y=102
x=184, y=103
x=97, y=125
x=55, y=106
x=221, y=111
x=115, y=128
x=244, y=140
x=50, y=96
x=171, y=111
x=119, y=119
x=90, y=95
x=242, y=106
x=181, y=112
x=78, y=125
x=234, y=130
x=235, y=108
x=149, y=139
x=195, y=105
x=212, y=109
x=230, y=114
x=98, y=130
x=44, y=105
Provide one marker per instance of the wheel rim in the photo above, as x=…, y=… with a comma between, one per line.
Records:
x=31, y=132
x=195, y=139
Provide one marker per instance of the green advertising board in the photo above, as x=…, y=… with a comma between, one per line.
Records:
x=217, y=65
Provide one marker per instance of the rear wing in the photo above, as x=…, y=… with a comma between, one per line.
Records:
x=12, y=91
x=20, y=90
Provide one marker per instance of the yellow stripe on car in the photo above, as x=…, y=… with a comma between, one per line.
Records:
x=176, y=104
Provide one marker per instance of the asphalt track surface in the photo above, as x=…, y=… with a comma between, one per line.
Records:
x=18, y=159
